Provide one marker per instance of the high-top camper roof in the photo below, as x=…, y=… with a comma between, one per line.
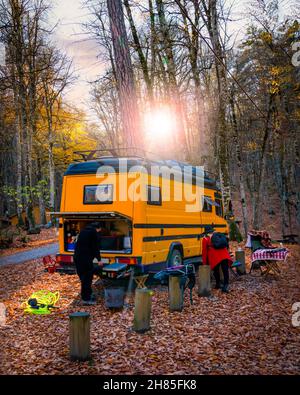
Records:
x=121, y=164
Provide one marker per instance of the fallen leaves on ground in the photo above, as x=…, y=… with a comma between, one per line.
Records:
x=46, y=236
x=248, y=331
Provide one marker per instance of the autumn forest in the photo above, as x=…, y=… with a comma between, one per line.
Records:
x=228, y=100
x=125, y=290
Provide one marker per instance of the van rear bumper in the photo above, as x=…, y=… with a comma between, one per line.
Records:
x=65, y=264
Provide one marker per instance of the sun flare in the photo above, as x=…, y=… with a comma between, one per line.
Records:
x=159, y=123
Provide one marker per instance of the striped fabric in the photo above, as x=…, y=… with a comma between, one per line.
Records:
x=269, y=255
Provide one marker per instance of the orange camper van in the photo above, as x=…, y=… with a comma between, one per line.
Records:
x=148, y=234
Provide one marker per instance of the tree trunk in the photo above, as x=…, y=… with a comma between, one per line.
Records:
x=262, y=169
x=211, y=22
x=180, y=142
x=19, y=161
x=279, y=170
x=125, y=77
x=192, y=43
x=51, y=159
x=51, y=177
x=138, y=48
x=11, y=56
x=153, y=40
x=236, y=143
x=43, y=219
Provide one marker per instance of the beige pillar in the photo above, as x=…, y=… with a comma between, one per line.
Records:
x=175, y=294
x=142, y=309
x=79, y=326
x=204, y=285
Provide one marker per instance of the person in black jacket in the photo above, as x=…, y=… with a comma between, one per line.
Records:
x=86, y=250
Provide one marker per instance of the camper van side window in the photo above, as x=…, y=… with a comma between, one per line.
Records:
x=98, y=194
x=219, y=208
x=207, y=207
x=153, y=195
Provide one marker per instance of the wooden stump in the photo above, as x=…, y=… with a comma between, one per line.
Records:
x=204, y=286
x=80, y=349
x=240, y=256
x=175, y=294
x=142, y=310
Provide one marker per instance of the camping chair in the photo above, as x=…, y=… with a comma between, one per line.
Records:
x=263, y=255
x=186, y=273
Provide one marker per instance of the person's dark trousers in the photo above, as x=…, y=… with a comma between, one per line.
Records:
x=86, y=279
x=224, y=266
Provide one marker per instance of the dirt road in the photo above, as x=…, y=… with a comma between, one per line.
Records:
x=35, y=253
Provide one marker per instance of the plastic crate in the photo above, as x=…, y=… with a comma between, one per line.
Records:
x=114, y=297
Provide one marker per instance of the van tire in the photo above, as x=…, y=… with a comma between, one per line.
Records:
x=175, y=258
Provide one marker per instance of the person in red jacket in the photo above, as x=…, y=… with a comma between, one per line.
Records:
x=216, y=258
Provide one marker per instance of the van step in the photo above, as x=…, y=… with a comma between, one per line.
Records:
x=114, y=267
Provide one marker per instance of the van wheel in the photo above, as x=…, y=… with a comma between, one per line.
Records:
x=175, y=258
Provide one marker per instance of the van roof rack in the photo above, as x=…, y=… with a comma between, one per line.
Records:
x=113, y=153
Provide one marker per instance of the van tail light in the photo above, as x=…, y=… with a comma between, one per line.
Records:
x=129, y=260
x=64, y=258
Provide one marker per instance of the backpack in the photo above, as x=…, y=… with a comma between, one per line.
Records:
x=219, y=240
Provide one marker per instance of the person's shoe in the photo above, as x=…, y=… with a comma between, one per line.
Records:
x=89, y=302
x=217, y=286
x=225, y=289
